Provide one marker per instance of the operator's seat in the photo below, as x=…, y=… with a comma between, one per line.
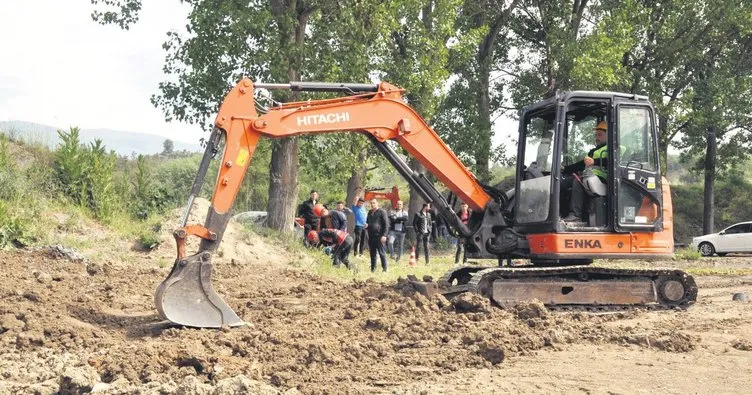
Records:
x=597, y=203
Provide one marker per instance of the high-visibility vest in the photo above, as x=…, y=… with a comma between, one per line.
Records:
x=600, y=153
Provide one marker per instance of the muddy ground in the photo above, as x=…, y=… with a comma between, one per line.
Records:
x=73, y=325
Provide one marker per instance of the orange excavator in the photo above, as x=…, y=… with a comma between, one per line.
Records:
x=629, y=218
x=375, y=193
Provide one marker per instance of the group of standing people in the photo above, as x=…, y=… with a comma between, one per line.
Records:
x=373, y=227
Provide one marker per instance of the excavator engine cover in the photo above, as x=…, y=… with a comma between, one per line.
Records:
x=186, y=296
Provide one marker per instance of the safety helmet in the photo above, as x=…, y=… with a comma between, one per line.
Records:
x=317, y=209
x=603, y=125
x=312, y=235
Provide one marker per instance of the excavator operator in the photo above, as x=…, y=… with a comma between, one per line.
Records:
x=594, y=168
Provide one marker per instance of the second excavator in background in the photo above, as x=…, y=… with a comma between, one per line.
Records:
x=375, y=193
x=631, y=218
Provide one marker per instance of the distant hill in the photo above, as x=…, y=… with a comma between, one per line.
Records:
x=123, y=143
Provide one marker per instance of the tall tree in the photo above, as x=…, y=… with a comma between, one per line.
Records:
x=707, y=217
x=466, y=116
x=277, y=40
x=412, y=53
x=548, y=35
x=167, y=146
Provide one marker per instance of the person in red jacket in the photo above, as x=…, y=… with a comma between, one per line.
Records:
x=341, y=241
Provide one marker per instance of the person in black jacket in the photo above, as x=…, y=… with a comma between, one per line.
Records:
x=422, y=226
x=305, y=210
x=377, y=226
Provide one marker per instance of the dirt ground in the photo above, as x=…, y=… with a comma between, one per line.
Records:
x=72, y=325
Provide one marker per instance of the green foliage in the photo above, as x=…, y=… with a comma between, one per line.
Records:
x=123, y=13
x=101, y=197
x=442, y=244
x=687, y=254
x=731, y=206
x=480, y=47
x=15, y=227
x=8, y=184
x=167, y=147
x=85, y=174
x=148, y=237
x=70, y=166
x=147, y=197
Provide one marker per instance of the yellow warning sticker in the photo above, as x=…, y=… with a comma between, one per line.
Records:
x=242, y=157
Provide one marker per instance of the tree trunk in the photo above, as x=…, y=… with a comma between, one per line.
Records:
x=663, y=143
x=483, y=148
x=355, y=186
x=357, y=179
x=283, y=172
x=283, y=185
x=707, y=215
x=416, y=201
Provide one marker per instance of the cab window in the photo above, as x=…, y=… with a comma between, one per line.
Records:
x=535, y=188
x=636, y=143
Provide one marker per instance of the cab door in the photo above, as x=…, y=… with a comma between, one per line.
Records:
x=637, y=175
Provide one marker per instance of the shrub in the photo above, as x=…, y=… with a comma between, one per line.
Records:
x=147, y=198
x=14, y=229
x=149, y=239
x=85, y=174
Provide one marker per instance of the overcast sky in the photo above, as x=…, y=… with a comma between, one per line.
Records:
x=60, y=68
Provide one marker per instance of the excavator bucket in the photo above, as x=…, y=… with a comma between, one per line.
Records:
x=186, y=296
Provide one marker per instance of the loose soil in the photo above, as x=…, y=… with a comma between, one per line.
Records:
x=71, y=325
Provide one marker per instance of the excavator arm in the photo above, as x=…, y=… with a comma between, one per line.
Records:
x=381, y=114
x=379, y=111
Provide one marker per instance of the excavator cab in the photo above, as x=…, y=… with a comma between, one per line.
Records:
x=558, y=132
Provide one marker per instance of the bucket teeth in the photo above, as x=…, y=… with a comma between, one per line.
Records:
x=186, y=296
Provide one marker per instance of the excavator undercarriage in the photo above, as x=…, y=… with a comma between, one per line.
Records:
x=634, y=220
x=579, y=287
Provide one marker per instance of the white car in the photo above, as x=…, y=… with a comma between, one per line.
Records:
x=735, y=238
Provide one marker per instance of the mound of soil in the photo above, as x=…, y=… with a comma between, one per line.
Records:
x=237, y=247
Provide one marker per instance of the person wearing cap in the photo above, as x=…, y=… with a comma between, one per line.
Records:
x=305, y=210
x=597, y=161
x=359, y=212
x=341, y=241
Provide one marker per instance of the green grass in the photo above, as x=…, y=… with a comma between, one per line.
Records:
x=321, y=264
x=687, y=254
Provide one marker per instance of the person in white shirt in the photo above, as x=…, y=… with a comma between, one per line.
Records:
x=397, y=220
